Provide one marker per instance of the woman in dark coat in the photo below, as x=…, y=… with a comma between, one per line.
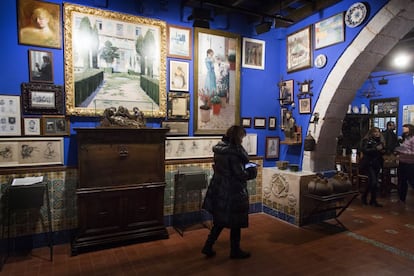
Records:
x=372, y=148
x=227, y=198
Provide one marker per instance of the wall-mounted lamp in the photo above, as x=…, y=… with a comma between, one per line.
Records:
x=201, y=17
x=263, y=27
x=383, y=81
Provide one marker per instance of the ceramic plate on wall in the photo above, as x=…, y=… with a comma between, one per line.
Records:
x=355, y=14
x=320, y=61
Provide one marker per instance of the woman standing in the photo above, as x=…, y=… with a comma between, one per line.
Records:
x=210, y=85
x=227, y=198
x=372, y=148
x=406, y=161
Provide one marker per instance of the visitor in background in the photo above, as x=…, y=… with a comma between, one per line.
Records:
x=372, y=149
x=227, y=198
x=406, y=161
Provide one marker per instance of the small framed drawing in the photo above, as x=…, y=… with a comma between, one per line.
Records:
x=42, y=98
x=259, y=122
x=176, y=128
x=55, y=125
x=179, y=42
x=305, y=105
x=178, y=105
x=40, y=66
x=253, y=53
x=246, y=122
x=10, y=116
x=31, y=126
x=272, y=147
x=272, y=123
x=299, y=54
x=286, y=92
x=179, y=75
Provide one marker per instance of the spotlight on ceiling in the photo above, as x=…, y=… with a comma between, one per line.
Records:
x=383, y=81
x=201, y=18
x=263, y=27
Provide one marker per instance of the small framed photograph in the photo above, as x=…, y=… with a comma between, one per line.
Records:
x=179, y=41
x=179, y=75
x=39, y=23
x=55, y=125
x=259, y=122
x=246, y=122
x=40, y=66
x=176, y=128
x=178, y=105
x=31, y=126
x=272, y=147
x=286, y=92
x=272, y=123
x=253, y=53
x=10, y=116
x=42, y=98
x=305, y=106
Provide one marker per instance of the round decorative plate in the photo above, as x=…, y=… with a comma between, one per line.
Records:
x=320, y=61
x=355, y=14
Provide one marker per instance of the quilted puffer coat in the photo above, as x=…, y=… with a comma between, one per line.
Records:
x=227, y=198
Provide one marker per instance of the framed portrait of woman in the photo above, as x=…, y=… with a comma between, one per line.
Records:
x=39, y=24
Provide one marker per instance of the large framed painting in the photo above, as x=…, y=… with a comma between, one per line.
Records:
x=39, y=24
x=329, y=31
x=113, y=58
x=299, y=52
x=216, y=81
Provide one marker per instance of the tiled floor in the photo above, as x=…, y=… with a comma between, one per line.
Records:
x=379, y=241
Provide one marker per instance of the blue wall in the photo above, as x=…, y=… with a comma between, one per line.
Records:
x=258, y=88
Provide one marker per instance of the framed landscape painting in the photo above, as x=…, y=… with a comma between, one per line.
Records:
x=299, y=54
x=124, y=62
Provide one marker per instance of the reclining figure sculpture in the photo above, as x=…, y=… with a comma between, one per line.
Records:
x=123, y=118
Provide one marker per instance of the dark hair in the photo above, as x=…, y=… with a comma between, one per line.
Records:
x=371, y=131
x=410, y=129
x=235, y=134
x=390, y=123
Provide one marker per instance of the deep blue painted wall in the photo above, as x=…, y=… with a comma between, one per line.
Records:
x=258, y=88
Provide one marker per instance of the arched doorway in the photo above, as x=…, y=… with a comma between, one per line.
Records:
x=352, y=69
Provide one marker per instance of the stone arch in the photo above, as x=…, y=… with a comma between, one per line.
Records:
x=352, y=69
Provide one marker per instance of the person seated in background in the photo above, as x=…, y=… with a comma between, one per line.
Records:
x=372, y=148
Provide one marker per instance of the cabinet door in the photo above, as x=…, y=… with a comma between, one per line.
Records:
x=144, y=207
x=99, y=212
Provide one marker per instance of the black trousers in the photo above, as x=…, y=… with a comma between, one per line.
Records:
x=372, y=188
x=405, y=176
x=235, y=235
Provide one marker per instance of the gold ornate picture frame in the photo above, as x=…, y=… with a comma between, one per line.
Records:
x=113, y=57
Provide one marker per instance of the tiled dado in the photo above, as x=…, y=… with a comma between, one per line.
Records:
x=62, y=192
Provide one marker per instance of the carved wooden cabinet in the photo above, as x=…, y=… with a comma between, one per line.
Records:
x=120, y=195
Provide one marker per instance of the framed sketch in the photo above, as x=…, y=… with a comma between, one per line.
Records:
x=329, y=31
x=179, y=75
x=246, y=122
x=40, y=66
x=178, y=105
x=31, y=126
x=179, y=42
x=31, y=151
x=95, y=72
x=259, y=122
x=10, y=115
x=55, y=125
x=176, y=128
x=190, y=147
x=39, y=24
x=305, y=105
x=299, y=52
x=216, y=78
x=286, y=92
x=272, y=147
x=272, y=123
x=253, y=53
x=42, y=98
